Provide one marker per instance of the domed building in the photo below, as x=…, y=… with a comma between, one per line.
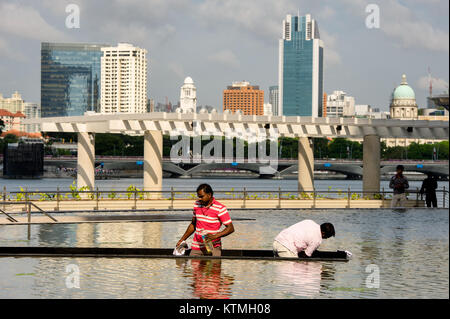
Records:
x=403, y=103
x=188, y=96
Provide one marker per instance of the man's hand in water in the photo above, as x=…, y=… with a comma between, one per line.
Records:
x=179, y=243
x=302, y=255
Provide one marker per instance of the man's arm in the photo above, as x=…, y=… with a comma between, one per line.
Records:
x=229, y=229
x=435, y=185
x=406, y=183
x=311, y=248
x=422, y=189
x=391, y=183
x=189, y=231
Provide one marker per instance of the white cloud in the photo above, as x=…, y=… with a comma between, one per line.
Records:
x=5, y=50
x=26, y=22
x=177, y=69
x=439, y=85
x=226, y=58
x=259, y=17
x=331, y=54
x=326, y=13
x=406, y=29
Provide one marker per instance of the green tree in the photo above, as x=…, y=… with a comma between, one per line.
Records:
x=2, y=126
x=10, y=138
x=345, y=149
x=321, y=148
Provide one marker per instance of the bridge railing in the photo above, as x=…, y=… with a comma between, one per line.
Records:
x=134, y=194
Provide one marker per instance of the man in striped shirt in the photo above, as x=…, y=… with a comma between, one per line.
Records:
x=209, y=216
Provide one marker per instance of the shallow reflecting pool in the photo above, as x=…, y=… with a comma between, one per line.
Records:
x=407, y=251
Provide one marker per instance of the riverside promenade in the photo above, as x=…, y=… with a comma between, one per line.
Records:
x=18, y=208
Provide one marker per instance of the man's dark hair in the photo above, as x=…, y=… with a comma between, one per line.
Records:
x=328, y=230
x=206, y=188
x=401, y=167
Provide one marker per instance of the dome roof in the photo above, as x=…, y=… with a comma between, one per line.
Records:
x=188, y=80
x=404, y=91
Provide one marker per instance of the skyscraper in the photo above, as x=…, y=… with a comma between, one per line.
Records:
x=13, y=104
x=300, y=72
x=123, y=79
x=32, y=111
x=273, y=99
x=70, y=78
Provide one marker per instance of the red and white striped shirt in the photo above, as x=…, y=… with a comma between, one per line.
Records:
x=209, y=220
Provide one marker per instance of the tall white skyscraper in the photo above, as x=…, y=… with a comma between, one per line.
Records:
x=32, y=111
x=124, y=79
x=300, y=70
x=188, y=96
x=274, y=99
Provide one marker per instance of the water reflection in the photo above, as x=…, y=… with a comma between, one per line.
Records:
x=208, y=281
x=303, y=279
x=410, y=249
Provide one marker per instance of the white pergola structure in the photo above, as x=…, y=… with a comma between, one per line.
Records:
x=154, y=125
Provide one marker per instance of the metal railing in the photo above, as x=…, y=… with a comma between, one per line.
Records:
x=28, y=208
x=26, y=197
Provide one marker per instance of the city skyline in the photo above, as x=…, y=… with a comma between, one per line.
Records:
x=236, y=47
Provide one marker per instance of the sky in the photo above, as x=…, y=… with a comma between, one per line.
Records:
x=217, y=42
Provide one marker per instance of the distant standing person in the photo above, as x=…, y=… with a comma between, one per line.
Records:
x=209, y=216
x=429, y=187
x=301, y=239
x=400, y=184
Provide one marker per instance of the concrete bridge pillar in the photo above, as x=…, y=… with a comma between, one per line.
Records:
x=305, y=165
x=153, y=172
x=371, y=164
x=86, y=160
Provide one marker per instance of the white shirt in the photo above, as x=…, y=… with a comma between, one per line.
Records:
x=304, y=236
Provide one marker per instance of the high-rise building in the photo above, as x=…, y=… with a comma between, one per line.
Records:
x=244, y=97
x=268, y=109
x=324, y=105
x=339, y=104
x=123, y=79
x=188, y=96
x=70, y=78
x=273, y=98
x=32, y=111
x=300, y=71
x=13, y=104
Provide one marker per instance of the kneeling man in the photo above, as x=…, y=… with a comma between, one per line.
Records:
x=301, y=239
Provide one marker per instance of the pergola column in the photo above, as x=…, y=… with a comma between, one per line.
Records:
x=305, y=165
x=371, y=164
x=86, y=160
x=153, y=147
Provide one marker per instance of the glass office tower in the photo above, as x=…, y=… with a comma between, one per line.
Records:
x=70, y=78
x=300, y=68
